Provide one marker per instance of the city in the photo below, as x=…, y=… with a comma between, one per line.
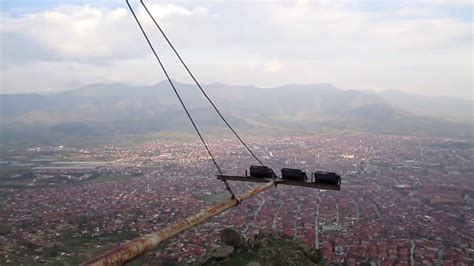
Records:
x=404, y=200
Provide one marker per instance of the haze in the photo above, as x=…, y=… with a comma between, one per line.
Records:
x=422, y=47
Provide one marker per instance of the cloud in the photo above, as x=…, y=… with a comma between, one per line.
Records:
x=77, y=33
x=454, y=2
x=414, y=46
x=274, y=66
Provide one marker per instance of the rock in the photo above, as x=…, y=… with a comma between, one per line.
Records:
x=231, y=237
x=261, y=249
x=253, y=263
x=222, y=252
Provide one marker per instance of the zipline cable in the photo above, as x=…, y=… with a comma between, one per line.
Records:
x=199, y=85
x=179, y=98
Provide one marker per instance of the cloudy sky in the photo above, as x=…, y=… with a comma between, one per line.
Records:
x=417, y=46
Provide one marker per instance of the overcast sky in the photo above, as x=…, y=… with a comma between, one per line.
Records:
x=423, y=47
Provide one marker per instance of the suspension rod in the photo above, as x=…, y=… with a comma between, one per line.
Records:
x=141, y=245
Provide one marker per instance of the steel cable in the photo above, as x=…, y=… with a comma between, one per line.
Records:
x=179, y=97
x=199, y=85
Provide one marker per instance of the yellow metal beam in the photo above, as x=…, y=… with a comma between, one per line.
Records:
x=141, y=245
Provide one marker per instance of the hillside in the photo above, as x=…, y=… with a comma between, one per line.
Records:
x=117, y=109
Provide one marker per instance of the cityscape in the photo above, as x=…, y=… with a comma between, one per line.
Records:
x=404, y=200
x=237, y=133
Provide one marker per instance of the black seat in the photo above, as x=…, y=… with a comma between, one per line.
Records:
x=327, y=178
x=261, y=171
x=293, y=174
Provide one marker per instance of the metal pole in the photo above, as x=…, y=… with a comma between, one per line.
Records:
x=140, y=245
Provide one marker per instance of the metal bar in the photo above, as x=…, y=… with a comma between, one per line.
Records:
x=139, y=246
x=279, y=181
x=244, y=178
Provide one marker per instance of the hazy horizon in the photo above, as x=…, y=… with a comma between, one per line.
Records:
x=417, y=47
x=49, y=92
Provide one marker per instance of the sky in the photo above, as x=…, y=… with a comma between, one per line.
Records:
x=417, y=46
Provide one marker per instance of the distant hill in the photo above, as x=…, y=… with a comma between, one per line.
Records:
x=454, y=108
x=117, y=109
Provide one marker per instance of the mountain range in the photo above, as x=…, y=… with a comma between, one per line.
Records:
x=120, y=109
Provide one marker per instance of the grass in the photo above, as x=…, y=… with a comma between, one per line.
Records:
x=113, y=177
x=76, y=246
x=243, y=258
x=269, y=249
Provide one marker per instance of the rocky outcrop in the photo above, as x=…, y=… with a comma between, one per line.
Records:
x=231, y=237
x=222, y=252
x=261, y=250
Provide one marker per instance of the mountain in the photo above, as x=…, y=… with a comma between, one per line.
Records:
x=118, y=109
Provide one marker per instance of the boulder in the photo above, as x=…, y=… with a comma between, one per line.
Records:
x=253, y=263
x=231, y=237
x=222, y=252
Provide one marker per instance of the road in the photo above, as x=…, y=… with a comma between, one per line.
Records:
x=275, y=216
x=255, y=214
x=357, y=208
x=297, y=215
x=377, y=211
x=412, y=253
x=439, y=256
x=316, y=229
